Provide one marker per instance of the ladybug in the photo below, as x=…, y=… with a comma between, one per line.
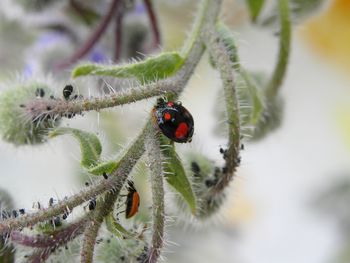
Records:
x=132, y=201
x=174, y=120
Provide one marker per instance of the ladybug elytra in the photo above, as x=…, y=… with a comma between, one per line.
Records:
x=132, y=201
x=174, y=120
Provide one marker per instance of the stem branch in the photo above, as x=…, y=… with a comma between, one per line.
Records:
x=284, y=50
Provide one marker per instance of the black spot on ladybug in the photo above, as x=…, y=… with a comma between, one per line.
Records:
x=40, y=93
x=67, y=91
x=174, y=121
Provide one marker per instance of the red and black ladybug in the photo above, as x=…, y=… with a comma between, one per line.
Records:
x=174, y=120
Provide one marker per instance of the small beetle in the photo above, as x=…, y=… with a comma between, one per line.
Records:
x=132, y=201
x=174, y=120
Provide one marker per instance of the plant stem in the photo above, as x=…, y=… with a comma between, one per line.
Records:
x=94, y=37
x=62, y=108
x=59, y=237
x=221, y=55
x=114, y=182
x=47, y=244
x=118, y=34
x=154, y=22
x=284, y=50
x=152, y=145
x=103, y=208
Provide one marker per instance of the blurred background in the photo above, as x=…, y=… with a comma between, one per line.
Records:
x=290, y=199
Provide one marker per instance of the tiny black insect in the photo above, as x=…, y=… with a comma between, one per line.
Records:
x=195, y=169
x=14, y=213
x=40, y=93
x=67, y=91
x=56, y=222
x=92, y=204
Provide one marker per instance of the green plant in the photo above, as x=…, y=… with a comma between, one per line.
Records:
x=30, y=115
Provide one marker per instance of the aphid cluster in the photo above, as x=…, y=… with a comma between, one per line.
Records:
x=173, y=120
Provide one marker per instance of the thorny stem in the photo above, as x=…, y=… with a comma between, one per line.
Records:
x=221, y=55
x=92, y=40
x=103, y=208
x=284, y=50
x=154, y=22
x=152, y=145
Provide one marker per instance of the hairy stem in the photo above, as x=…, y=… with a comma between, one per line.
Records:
x=46, y=244
x=114, y=182
x=51, y=241
x=103, y=208
x=221, y=56
x=62, y=108
x=92, y=40
x=152, y=145
x=284, y=49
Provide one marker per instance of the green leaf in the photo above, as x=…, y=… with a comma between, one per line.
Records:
x=149, y=70
x=114, y=227
x=255, y=7
x=106, y=167
x=90, y=145
x=176, y=175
